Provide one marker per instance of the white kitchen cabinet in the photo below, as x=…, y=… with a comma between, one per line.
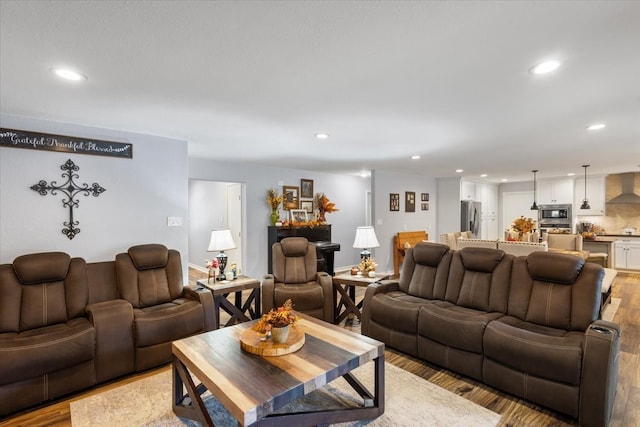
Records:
x=487, y=194
x=627, y=254
x=595, y=194
x=468, y=190
x=489, y=227
x=555, y=192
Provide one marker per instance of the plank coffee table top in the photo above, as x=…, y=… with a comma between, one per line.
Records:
x=251, y=386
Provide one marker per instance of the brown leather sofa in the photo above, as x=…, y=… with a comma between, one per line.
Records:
x=526, y=325
x=66, y=326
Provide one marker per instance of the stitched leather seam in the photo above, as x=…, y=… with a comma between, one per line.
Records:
x=46, y=344
x=167, y=316
x=558, y=347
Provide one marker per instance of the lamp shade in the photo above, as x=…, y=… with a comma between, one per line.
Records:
x=221, y=240
x=365, y=238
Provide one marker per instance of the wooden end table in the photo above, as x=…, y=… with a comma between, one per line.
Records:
x=345, y=285
x=239, y=311
x=252, y=387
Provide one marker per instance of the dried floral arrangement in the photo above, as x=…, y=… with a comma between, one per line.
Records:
x=523, y=225
x=274, y=200
x=277, y=318
x=325, y=206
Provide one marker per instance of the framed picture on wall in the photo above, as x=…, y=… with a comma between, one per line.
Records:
x=298, y=215
x=394, y=202
x=424, y=197
x=307, y=206
x=306, y=188
x=291, y=197
x=424, y=206
x=409, y=201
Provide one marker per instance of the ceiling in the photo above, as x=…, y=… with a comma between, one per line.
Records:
x=255, y=81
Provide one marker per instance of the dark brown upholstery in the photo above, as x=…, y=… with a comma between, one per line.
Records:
x=150, y=278
x=46, y=341
x=525, y=325
x=295, y=277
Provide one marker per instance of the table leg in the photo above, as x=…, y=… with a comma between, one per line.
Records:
x=188, y=405
x=346, y=301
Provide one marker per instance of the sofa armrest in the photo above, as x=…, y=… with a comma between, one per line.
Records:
x=268, y=292
x=380, y=287
x=205, y=297
x=326, y=283
x=113, y=322
x=599, y=373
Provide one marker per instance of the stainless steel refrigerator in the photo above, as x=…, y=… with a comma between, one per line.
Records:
x=470, y=217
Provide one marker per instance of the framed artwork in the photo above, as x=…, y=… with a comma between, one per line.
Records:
x=291, y=197
x=424, y=197
x=297, y=215
x=409, y=201
x=424, y=206
x=306, y=188
x=394, y=202
x=307, y=206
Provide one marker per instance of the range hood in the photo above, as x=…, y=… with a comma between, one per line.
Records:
x=627, y=196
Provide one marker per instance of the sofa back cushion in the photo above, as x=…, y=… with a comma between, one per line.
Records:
x=149, y=275
x=294, y=261
x=555, y=290
x=425, y=270
x=479, y=279
x=42, y=289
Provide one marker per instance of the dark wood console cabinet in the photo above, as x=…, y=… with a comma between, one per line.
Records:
x=319, y=235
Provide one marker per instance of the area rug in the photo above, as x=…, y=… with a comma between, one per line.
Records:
x=610, y=310
x=410, y=401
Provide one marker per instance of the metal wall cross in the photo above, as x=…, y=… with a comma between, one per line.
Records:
x=71, y=190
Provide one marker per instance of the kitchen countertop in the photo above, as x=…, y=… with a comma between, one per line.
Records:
x=612, y=237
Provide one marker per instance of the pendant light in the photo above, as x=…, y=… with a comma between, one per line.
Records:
x=585, y=202
x=534, y=206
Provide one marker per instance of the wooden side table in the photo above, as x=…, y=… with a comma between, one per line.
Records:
x=239, y=311
x=344, y=286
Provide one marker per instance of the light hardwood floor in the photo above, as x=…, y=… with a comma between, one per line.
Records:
x=515, y=412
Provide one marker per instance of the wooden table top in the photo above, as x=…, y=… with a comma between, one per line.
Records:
x=354, y=279
x=240, y=283
x=252, y=386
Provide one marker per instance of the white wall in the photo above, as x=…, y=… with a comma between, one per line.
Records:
x=347, y=192
x=448, y=208
x=140, y=194
x=387, y=224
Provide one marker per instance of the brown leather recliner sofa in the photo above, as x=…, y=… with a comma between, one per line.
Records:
x=526, y=325
x=66, y=325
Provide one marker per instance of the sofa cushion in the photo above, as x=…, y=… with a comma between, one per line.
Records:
x=548, y=353
x=44, y=350
x=397, y=311
x=167, y=322
x=42, y=267
x=425, y=270
x=454, y=326
x=554, y=267
x=145, y=257
x=305, y=296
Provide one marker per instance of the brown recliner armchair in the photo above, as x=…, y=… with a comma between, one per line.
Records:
x=150, y=278
x=295, y=277
x=46, y=340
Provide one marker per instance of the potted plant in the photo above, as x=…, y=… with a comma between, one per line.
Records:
x=277, y=322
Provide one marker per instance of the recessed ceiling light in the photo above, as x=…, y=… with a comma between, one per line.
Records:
x=484, y=175
x=571, y=174
x=545, y=67
x=504, y=180
x=415, y=157
x=597, y=126
x=68, y=74
x=459, y=170
x=322, y=135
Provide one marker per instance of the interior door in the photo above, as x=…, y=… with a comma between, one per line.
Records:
x=234, y=219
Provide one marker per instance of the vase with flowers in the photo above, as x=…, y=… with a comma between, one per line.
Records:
x=523, y=226
x=368, y=267
x=212, y=265
x=324, y=206
x=277, y=322
x=274, y=200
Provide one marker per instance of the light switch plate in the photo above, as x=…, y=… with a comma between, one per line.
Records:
x=174, y=221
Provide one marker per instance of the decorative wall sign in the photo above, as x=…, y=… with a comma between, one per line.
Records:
x=424, y=206
x=65, y=144
x=71, y=190
x=394, y=202
x=424, y=197
x=409, y=201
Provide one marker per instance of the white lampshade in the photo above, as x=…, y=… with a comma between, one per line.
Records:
x=221, y=240
x=365, y=238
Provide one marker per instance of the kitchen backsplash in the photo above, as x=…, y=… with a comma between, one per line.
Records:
x=618, y=216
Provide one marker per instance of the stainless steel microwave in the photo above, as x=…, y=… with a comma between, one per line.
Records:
x=555, y=212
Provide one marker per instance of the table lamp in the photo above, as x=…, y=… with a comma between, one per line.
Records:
x=365, y=239
x=221, y=240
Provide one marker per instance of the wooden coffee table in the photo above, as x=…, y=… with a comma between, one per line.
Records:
x=252, y=387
